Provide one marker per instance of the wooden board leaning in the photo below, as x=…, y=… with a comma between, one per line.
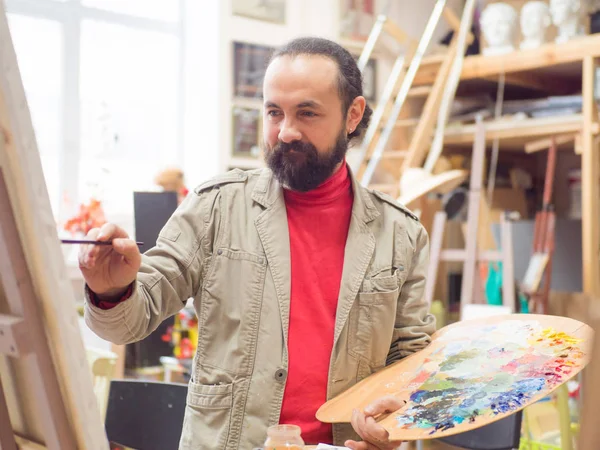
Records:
x=46, y=385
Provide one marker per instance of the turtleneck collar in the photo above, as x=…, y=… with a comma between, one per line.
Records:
x=330, y=190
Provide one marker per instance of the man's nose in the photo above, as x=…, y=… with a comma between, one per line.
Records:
x=289, y=132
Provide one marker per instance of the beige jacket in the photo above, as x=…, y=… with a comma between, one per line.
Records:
x=227, y=246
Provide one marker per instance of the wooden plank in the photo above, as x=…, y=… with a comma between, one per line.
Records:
x=458, y=255
x=590, y=174
x=474, y=198
x=21, y=164
x=391, y=28
x=450, y=87
x=435, y=254
x=544, y=144
x=424, y=130
x=517, y=129
x=548, y=55
x=508, y=274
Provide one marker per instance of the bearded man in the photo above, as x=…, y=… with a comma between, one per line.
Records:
x=304, y=281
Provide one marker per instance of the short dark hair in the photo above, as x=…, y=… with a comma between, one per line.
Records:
x=350, y=80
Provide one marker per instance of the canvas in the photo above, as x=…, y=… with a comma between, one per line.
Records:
x=473, y=373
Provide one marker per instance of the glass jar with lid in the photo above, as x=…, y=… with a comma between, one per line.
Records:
x=284, y=437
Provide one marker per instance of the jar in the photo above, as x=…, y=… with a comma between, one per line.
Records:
x=284, y=437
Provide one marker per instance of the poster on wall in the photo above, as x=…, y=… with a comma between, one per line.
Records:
x=246, y=132
x=249, y=65
x=267, y=10
x=357, y=19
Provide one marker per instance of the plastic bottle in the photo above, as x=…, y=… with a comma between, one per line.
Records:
x=284, y=437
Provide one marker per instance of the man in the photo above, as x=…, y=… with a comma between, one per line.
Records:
x=304, y=282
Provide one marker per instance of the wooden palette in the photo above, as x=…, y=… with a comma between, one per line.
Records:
x=473, y=373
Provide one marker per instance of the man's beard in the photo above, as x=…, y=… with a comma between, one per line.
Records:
x=306, y=169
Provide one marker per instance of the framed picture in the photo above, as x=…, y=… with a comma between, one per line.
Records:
x=246, y=136
x=356, y=19
x=267, y=10
x=249, y=65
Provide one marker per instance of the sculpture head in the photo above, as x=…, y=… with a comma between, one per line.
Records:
x=535, y=18
x=498, y=24
x=563, y=10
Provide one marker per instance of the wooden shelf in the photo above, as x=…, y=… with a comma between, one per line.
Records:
x=514, y=133
x=548, y=60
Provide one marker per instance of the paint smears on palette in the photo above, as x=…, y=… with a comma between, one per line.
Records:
x=473, y=373
x=485, y=371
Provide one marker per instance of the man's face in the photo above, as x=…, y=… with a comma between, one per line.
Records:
x=304, y=128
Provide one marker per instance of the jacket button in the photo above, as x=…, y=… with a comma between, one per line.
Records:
x=219, y=252
x=280, y=375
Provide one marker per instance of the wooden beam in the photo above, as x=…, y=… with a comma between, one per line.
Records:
x=396, y=32
x=549, y=54
x=544, y=144
x=454, y=22
x=515, y=129
x=590, y=174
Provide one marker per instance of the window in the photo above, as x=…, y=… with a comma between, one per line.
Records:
x=39, y=48
x=127, y=97
x=166, y=10
x=129, y=111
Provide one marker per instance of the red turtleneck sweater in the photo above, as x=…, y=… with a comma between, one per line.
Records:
x=318, y=223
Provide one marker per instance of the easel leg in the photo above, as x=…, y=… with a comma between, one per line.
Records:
x=7, y=438
x=20, y=295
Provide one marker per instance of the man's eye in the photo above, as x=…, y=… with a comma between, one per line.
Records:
x=308, y=114
x=272, y=113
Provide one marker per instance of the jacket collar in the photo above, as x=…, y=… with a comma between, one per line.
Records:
x=267, y=190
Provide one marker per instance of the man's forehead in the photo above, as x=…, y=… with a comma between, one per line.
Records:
x=302, y=73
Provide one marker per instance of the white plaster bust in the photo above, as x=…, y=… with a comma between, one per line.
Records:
x=566, y=15
x=499, y=24
x=535, y=20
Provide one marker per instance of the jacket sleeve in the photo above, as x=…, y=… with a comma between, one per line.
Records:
x=170, y=273
x=414, y=323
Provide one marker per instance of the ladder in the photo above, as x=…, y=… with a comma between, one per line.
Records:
x=379, y=150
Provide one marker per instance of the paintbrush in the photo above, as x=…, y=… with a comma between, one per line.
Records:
x=87, y=241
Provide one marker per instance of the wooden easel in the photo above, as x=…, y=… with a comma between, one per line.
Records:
x=540, y=264
x=46, y=394
x=471, y=288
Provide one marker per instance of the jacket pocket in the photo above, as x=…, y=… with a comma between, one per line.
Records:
x=207, y=416
x=372, y=318
x=229, y=311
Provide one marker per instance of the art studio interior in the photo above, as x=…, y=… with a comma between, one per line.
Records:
x=348, y=224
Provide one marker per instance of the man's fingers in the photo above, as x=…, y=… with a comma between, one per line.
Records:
x=88, y=252
x=358, y=423
x=375, y=432
x=368, y=429
x=111, y=231
x=357, y=445
x=128, y=248
x=384, y=405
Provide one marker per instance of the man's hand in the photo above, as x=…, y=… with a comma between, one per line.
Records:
x=109, y=269
x=374, y=436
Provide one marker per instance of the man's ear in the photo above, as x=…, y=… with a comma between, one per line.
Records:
x=355, y=113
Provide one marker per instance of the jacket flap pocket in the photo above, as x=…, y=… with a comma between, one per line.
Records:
x=210, y=395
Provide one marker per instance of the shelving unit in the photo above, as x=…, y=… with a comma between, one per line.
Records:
x=553, y=69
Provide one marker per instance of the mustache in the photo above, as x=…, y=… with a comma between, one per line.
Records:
x=298, y=146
